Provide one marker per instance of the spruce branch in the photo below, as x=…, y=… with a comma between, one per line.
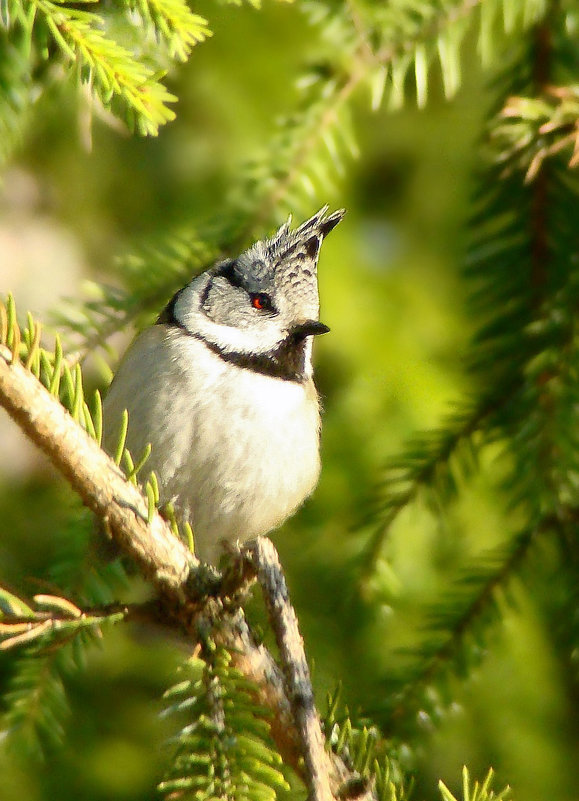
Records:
x=110, y=69
x=529, y=130
x=411, y=40
x=297, y=676
x=224, y=750
x=175, y=23
x=35, y=702
x=431, y=460
x=96, y=478
x=121, y=80
x=255, y=662
x=55, y=620
x=525, y=289
x=457, y=628
x=476, y=791
x=366, y=753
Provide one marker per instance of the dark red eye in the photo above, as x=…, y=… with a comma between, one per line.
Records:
x=261, y=301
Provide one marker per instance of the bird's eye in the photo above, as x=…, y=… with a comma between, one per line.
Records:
x=261, y=301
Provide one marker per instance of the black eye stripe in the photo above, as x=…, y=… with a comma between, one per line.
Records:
x=228, y=272
x=206, y=292
x=168, y=315
x=259, y=300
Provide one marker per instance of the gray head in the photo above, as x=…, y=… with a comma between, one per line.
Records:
x=261, y=309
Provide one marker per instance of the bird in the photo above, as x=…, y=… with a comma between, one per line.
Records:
x=222, y=388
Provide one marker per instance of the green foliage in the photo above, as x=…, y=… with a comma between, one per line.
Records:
x=476, y=792
x=51, y=636
x=369, y=755
x=224, y=749
x=524, y=290
x=121, y=53
x=174, y=23
x=55, y=621
x=51, y=642
x=50, y=367
x=254, y=3
x=433, y=463
x=394, y=41
x=36, y=707
x=15, y=93
x=365, y=752
x=66, y=383
x=532, y=129
x=127, y=82
x=455, y=636
x=438, y=32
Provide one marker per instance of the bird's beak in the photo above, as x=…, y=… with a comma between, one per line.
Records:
x=309, y=328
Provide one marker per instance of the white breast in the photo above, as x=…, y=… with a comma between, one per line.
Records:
x=235, y=451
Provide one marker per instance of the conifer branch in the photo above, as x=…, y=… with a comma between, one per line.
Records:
x=458, y=624
x=255, y=661
x=224, y=750
x=426, y=463
x=35, y=700
x=476, y=791
x=524, y=350
x=297, y=675
x=530, y=130
x=428, y=29
x=98, y=481
x=366, y=753
x=121, y=80
x=55, y=620
x=175, y=23
x=531, y=315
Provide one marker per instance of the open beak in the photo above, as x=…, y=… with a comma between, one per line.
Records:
x=309, y=328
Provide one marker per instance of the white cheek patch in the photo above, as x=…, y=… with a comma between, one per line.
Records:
x=241, y=340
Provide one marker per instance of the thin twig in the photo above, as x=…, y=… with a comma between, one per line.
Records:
x=284, y=623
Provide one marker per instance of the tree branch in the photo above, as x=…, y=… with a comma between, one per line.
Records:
x=162, y=558
x=297, y=675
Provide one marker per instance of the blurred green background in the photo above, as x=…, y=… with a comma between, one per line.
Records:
x=393, y=295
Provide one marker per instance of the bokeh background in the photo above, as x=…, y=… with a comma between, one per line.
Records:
x=394, y=296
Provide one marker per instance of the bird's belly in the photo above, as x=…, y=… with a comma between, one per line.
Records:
x=254, y=460
x=235, y=452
